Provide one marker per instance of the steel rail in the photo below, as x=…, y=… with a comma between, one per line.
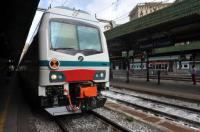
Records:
x=61, y=124
x=158, y=112
x=159, y=101
x=110, y=122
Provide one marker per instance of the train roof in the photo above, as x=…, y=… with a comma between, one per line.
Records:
x=66, y=11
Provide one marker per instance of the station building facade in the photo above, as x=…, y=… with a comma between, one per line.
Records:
x=143, y=9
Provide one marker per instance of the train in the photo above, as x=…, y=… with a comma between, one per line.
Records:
x=161, y=65
x=154, y=65
x=169, y=65
x=66, y=66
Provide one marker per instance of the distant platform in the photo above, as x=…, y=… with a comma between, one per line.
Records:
x=175, y=89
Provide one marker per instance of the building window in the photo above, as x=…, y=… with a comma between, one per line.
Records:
x=141, y=13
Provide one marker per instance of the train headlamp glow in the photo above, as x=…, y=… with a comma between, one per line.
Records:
x=60, y=77
x=53, y=76
x=100, y=75
x=56, y=76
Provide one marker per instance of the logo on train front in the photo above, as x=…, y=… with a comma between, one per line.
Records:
x=54, y=63
x=80, y=58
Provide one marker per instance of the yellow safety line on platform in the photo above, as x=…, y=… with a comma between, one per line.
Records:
x=4, y=114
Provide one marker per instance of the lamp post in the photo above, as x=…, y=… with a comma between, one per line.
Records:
x=146, y=55
x=127, y=55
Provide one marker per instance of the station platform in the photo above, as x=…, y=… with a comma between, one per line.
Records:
x=14, y=111
x=170, y=88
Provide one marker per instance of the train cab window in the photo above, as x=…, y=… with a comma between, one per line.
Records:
x=63, y=36
x=89, y=38
x=75, y=37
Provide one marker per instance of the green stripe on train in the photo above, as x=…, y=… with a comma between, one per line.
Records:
x=78, y=63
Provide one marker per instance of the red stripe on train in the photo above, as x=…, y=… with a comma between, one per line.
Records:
x=79, y=75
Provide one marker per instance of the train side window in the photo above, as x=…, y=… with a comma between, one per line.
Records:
x=166, y=66
x=150, y=66
x=153, y=66
x=162, y=66
x=157, y=67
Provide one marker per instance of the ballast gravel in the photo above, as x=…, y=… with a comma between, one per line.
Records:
x=44, y=123
x=86, y=122
x=125, y=121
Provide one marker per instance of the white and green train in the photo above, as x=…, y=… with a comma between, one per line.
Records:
x=67, y=65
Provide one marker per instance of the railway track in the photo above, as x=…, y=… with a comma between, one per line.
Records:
x=193, y=106
x=185, y=114
x=110, y=122
x=61, y=124
x=93, y=122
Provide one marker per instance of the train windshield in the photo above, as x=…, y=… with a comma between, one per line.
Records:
x=65, y=36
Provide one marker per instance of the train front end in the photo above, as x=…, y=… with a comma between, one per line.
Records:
x=74, y=62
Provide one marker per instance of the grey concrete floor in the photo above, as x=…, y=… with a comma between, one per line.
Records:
x=14, y=110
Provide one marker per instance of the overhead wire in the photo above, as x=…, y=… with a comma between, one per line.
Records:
x=110, y=5
x=122, y=18
x=64, y=2
x=125, y=14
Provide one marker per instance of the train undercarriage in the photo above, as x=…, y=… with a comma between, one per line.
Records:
x=75, y=97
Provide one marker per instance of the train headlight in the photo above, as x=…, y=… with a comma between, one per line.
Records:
x=53, y=77
x=97, y=75
x=56, y=76
x=60, y=77
x=100, y=75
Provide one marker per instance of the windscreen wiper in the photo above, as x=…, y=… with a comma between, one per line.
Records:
x=63, y=48
x=93, y=50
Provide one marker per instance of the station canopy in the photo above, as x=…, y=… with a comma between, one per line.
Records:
x=16, y=20
x=177, y=23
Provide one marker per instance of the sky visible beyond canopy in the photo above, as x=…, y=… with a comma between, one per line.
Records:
x=117, y=10
x=105, y=9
